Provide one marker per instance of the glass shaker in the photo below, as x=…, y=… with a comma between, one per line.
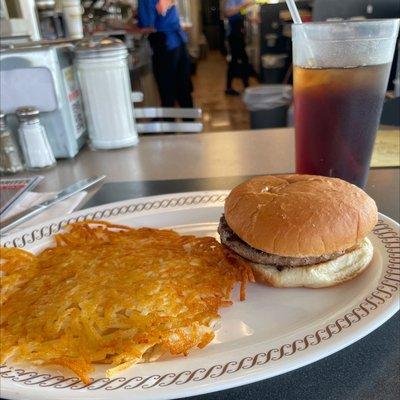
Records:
x=10, y=159
x=106, y=91
x=32, y=136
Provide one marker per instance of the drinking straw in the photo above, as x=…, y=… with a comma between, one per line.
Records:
x=294, y=12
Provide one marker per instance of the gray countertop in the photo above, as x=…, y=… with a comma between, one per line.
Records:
x=188, y=156
x=199, y=156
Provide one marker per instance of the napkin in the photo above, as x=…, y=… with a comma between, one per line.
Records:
x=30, y=199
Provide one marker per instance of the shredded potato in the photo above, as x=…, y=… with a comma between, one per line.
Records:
x=109, y=294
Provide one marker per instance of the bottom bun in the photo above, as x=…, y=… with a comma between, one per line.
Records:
x=325, y=274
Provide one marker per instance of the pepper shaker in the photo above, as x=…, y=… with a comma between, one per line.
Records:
x=33, y=139
x=10, y=159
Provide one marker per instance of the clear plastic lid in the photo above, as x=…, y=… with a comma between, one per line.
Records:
x=344, y=43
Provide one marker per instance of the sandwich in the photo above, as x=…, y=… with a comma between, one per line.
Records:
x=300, y=230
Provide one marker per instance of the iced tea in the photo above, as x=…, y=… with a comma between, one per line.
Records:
x=337, y=112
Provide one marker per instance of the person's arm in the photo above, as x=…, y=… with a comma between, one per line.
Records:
x=231, y=9
x=163, y=6
x=145, y=23
x=147, y=14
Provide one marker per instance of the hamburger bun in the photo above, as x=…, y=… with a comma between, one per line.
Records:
x=329, y=273
x=302, y=216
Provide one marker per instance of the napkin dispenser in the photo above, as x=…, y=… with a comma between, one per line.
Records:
x=43, y=76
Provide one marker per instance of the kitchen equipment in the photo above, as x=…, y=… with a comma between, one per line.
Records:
x=10, y=223
x=72, y=14
x=106, y=90
x=33, y=139
x=51, y=25
x=10, y=159
x=18, y=17
x=50, y=21
x=43, y=76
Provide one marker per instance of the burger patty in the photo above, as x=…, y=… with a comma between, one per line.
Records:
x=233, y=241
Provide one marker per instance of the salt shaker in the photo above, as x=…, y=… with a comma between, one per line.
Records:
x=10, y=159
x=33, y=139
x=106, y=91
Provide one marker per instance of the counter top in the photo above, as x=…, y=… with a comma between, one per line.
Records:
x=204, y=155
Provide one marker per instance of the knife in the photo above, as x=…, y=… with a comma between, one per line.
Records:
x=10, y=223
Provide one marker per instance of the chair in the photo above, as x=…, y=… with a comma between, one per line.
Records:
x=150, y=113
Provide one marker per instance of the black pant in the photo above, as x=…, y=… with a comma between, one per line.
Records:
x=172, y=72
x=239, y=64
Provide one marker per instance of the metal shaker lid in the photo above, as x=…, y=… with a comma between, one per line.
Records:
x=25, y=114
x=94, y=47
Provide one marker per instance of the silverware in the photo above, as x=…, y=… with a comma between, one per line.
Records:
x=10, y=223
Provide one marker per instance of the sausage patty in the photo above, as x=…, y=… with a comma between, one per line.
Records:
x=233, y=241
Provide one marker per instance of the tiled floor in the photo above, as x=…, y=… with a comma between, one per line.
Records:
x=220, y=112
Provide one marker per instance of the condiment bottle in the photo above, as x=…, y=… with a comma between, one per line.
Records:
x=10, y=159
x=106, y=91
x=32, y=136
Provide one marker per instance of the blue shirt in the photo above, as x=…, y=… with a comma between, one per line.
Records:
x=234, y=3
x=168, y=23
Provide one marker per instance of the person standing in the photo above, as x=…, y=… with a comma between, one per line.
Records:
x=239, y=62
x=171, y=65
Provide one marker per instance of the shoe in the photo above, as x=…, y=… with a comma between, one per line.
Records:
x=232, y=92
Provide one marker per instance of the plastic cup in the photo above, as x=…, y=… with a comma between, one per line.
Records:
x=341, y=71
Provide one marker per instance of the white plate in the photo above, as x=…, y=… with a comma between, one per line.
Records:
x=272, y=332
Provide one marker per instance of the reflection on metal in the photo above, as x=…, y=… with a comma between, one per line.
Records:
x=161, y=127
x=165, y=127
x=156, y=112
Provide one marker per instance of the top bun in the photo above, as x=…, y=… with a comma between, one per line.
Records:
x=300, y=215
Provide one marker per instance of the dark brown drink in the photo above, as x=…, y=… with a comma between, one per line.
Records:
x=337, y=112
